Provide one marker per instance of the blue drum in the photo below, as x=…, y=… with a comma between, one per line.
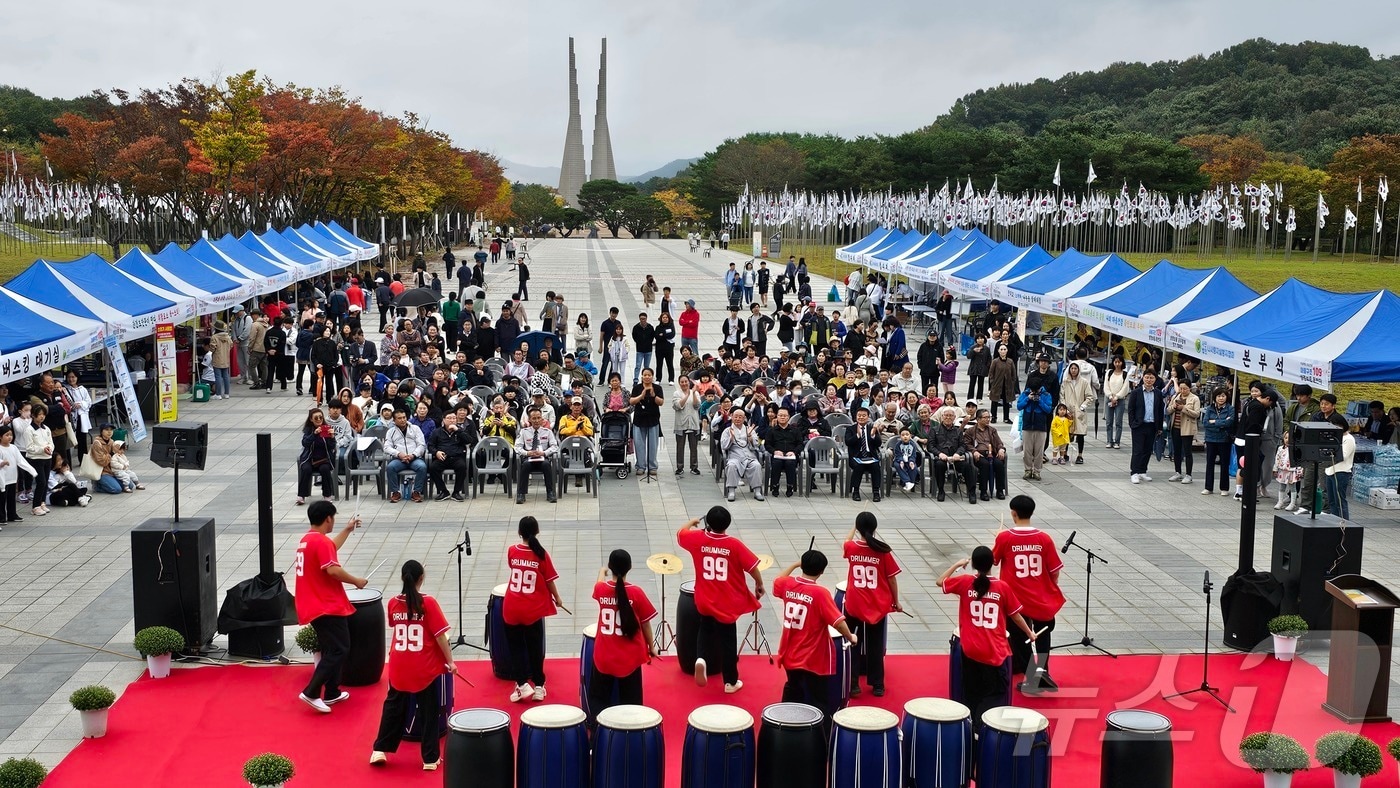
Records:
x=1014, y=749
x=719, y=748
x=937, y=743
x=792, y=747
x=838, y=684
x=553, y=748
x=413, y=721
x=955, y=685
x=480, y=753
x=585, y=671
x=501, y=663
x=628, y=751
x=864, y=748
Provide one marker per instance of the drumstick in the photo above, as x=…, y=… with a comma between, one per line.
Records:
x=376, y=569
x=565, y=609
x=464, y=678
x=1038, y=634
x=812, y=544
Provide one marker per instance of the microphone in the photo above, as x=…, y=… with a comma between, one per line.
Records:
x=1206, y=585
x=467, y=540
x=1068, y=542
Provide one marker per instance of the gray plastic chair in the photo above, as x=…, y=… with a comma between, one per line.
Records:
x=583, y=461
x=494, y=458
x=822, y=457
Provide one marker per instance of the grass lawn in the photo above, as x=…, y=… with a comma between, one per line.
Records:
x=16, y=256
x=1262, y=274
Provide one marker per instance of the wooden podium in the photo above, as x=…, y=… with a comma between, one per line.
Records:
x=1358, y=675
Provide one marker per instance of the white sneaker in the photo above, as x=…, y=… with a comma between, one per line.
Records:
x=730, y=689
x=729, y=495
x=1186, y=480
x=378, y=758
x=700, y=676
x=1175, y=477
x=1206, y=492
x=758, y=495
x=539, y=694
x=1224, y=493
x=908, y=486
x=521, y=692
x=338, y=698
x=1146, y=478
x=315, y=703
x=1137, y=479
x=85, y=500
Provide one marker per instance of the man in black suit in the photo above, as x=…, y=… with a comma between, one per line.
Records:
x=1145, y=408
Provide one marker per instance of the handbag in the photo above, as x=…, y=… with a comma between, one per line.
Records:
x=89, y=469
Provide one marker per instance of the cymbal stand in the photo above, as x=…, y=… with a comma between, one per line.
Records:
x=665, y=636
x=756, y=639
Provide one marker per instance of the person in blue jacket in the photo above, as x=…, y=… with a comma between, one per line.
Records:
x=896, y=348
x=1035, y=405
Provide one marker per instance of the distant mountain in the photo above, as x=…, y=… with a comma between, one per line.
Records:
x=667, y=170
x=549, y=176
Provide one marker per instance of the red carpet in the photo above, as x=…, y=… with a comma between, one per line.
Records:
x=197, y=727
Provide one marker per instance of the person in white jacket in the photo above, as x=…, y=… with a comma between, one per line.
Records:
x=40, y=455
x=1115, y=390
x=11, y=462
x=686, y=403
x=1339, y=473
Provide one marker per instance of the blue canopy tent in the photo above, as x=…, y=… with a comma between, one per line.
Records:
x=332, y=245
x=880, y=259
x=1030, y=291
x=889, y=242
x=931, y=241
x=1141, y=308
x=229, y=256
x=92, y=288
x=851, y=252
x=324, y=250
x=180, y=262
x=925, y=267
x=213, y=292
x=35, y=337
x=368, y=250
x=1005, y=262
x=274, y=247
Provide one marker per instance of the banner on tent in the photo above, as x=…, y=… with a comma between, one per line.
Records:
x=33, y=360
x=143, y=325
x=1265, y=363
x=116, y=362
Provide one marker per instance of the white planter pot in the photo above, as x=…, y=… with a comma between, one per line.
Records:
x=278, y=785
x=94, y=723
x=1285, y=647
x=1277, y=779
x=159, y=665
x=316, y=658
x=1345, y=780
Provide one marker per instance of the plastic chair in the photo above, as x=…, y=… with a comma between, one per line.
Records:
x=583, y=461
x=483, y=394
x=494, y=458
x=834, y=420
x=823, y=457
x=887, y=468
x=365, y=465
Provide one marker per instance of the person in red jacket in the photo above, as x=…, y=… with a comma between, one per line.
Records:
x=418, y=654
x=806, y=650
x=985, y=604
x=721, y=593
x=531, y=596
x=623, y=642
x=322, y=603
x=872, y=593
x=689, y=321
x=1031, y=566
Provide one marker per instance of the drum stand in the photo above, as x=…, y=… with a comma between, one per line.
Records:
x=464, y=546
x=1086, y=641
x=1205, y=664
x=756, y=639
x=665, y=634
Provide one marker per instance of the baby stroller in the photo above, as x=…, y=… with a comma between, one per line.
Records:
x=614, y=443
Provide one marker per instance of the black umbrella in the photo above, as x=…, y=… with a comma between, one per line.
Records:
x=418, y=296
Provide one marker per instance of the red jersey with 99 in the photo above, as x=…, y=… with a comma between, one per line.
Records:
x=807, y=612
x=722, y=564
x=868, y=593
x=318, y=594
x=527, y=595
x=982, y=622
x=415, y=660
x=613, y=652
x=1028, y=562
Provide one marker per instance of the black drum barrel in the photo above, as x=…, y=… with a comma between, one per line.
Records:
x=1137, y=750
x=480, y=753
x=687, y=628
x=365, y=662
x=791, y=747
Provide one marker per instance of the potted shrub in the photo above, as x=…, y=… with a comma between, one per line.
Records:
x=1351, y=757
x=92, y=703
x=1275, y=756
x=157, y=644
x=306, y=641
x=22, y=773
x=268, y=770
x=1286, y=631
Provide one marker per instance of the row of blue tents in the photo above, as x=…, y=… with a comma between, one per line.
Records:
x=53, y=312
x=1295, y=332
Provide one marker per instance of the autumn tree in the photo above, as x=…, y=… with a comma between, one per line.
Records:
x=233, y=136
x=683, y=211
x=1227, y=159
x=1362, y=163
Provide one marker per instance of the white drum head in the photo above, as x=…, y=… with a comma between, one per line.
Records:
x=841, y=586
x=720, y=718
x=937, y=710
x=1014, y=719
x=553, y=715
x=478, y=720
x=688, y=587
x=499, y=591
x=360, y=596
x=628, y=717
x=591, y=631
x=865, y=718
x=832, y=631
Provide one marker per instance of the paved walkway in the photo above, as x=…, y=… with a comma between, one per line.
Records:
x=68, y=575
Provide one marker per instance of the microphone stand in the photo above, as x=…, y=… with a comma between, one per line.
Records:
x=1205, y=664
x=464, y=546
x=1090, y=558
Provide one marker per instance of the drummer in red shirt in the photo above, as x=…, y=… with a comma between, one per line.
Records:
x=984, y=605
x=721, y=593
x=872, y=593
x=322, y=603
x=530, y=598
x=1031, y=565
x=418, y=654
x=623, y=642
x=806, y=650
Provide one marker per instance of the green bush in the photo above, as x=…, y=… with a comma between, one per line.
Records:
x=1288, y=626
x=306, y=640
x=1393, y=747
x=1273, y=752
x=268, y=769
x=92, y=698
x=1349, y=753
x=154, y=641
x=22, y=773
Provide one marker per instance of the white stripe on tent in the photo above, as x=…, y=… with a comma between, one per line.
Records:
x=1336, y=343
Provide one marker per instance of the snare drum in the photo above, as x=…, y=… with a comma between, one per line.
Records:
x=628, y=751
x=1014, y=749
x=955, y=684
x=937, y=743
x=719, y=748
x=864, y=748
x=553, y=750
x=502, y=666
x=838, y=684
x=413, y=721
x=687, y=628
x=480, y=753
x=791, y=747
x=586, y=670
x=365, y=662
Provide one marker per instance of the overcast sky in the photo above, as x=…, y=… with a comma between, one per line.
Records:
x=683, y=74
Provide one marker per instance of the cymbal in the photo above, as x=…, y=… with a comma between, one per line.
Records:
x=765, y=562
x=665, y=564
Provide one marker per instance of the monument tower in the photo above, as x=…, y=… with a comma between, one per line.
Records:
x=602, y=143
x=571, y=174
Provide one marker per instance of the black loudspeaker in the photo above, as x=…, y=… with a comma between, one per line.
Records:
x=182, y=443
x=173, y=577
x=146, y=398
x=1317, y=441
x=1305, y=551
x=256, y=642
